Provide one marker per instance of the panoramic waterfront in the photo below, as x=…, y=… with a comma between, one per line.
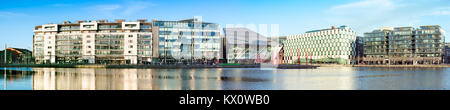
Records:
x=323, y=78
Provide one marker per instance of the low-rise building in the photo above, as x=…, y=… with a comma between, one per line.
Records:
x=16, y=56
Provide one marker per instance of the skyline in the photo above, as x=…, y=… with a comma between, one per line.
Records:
x=18, y=18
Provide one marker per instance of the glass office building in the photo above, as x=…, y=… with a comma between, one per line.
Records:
x=186, y=41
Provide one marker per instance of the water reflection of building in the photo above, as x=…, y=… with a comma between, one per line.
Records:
x=402, y=79
x=327, y=78
x=86, y=79
x=44, y=79
x=125, y=79
x=15, y=79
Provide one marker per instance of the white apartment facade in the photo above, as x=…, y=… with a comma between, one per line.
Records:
x=100, y=41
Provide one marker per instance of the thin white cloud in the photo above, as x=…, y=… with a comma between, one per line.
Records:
x=441, y=13
x=103, y=9
x=123, y=9
x=366, y=15
x=136, y=6
x=363, y=8
x=5, y=14
x=374, y=4
x=109, y=7
x=60, y=5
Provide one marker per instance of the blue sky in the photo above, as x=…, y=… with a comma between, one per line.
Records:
x=18, y=17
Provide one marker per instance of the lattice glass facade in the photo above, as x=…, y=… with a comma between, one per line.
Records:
x=335, y=45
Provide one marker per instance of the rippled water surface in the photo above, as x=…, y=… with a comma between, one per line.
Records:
x=323, y=78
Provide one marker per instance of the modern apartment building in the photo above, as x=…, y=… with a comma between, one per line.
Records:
x=335, y=45
x=245, y=46
x=404, y=45
x=118, y=42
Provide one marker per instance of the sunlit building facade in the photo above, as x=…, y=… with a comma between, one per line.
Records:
x=335, y=45
x=99, y=42
x=121, y=42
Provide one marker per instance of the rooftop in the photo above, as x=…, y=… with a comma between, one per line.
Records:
x=409, y=28
x=332, y=28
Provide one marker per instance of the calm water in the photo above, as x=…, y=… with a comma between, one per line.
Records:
x=324, y=78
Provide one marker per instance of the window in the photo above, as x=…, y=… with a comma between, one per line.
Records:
x=129, y=52
x=49, y=27
x=88, y=41
x=130, y=41
x=88, y=36
x=130, y=35
x=130, y=25
x=88, y=26
x=89, y=47
x=49, y=47
x=131, y=46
